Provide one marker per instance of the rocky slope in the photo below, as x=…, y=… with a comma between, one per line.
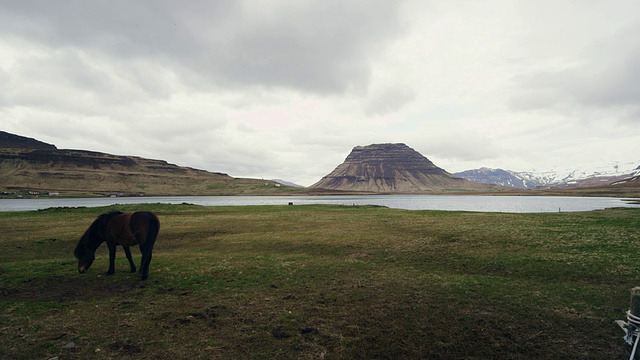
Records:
x=393, y=168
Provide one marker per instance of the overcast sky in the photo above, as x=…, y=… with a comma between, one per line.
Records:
x=285, y=89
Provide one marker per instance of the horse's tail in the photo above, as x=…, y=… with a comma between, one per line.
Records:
x=154, y=228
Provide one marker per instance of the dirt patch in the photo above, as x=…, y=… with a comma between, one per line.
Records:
x=125, y=347
x=68, y=288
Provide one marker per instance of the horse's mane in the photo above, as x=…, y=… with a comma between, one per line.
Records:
x=94, y=231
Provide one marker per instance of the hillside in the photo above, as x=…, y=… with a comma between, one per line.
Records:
x=631, y=183
x=28, y=165
x=394, y=168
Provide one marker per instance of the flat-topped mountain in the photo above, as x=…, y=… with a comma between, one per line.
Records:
x=394, y=168
x=29, y=165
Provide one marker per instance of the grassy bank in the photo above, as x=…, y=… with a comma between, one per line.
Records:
x=313, y=282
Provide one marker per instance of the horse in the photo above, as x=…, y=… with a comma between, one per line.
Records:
x=117, y=228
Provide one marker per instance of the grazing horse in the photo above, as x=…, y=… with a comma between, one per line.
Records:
x=117, y=228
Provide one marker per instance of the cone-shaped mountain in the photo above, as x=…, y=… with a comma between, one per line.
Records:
x=392, y=168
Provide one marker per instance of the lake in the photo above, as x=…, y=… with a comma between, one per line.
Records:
x=483, y=203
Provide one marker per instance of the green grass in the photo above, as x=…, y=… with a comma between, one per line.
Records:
x=216, y=186
x=313, y=282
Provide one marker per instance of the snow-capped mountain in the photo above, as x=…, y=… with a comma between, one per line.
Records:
x=555, y=177
x=500, y=177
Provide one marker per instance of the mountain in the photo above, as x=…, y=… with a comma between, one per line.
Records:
x=499, y=177
x=28, y=165
x=394, y=168
x=596, y=175
x=555, y=178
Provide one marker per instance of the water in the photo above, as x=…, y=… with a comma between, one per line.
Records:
x=510, y=204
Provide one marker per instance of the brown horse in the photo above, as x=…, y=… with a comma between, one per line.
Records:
x=117, y=228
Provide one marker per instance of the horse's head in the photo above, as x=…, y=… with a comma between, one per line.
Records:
x=84, y=254
x=85, y=251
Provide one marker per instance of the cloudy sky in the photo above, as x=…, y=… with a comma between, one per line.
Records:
x=285, y=89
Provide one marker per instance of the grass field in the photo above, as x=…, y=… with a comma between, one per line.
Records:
x=323, y=282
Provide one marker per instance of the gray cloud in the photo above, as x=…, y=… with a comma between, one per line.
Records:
x=318, y=47
x=121, y=28
x=323, y=47
x=5, y=86
x=389, y=100
x=604, y=75
x=73, y=81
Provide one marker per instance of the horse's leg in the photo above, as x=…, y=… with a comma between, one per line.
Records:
x=147, y=253
x=127, y=252
x=147, y=239
x=112, y=257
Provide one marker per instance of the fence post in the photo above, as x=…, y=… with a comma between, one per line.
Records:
x=634, y=308
x=634, y=314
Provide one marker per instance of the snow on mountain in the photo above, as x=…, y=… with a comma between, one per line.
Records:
x=287, y=183
x=500, y=177
x=554, y=177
